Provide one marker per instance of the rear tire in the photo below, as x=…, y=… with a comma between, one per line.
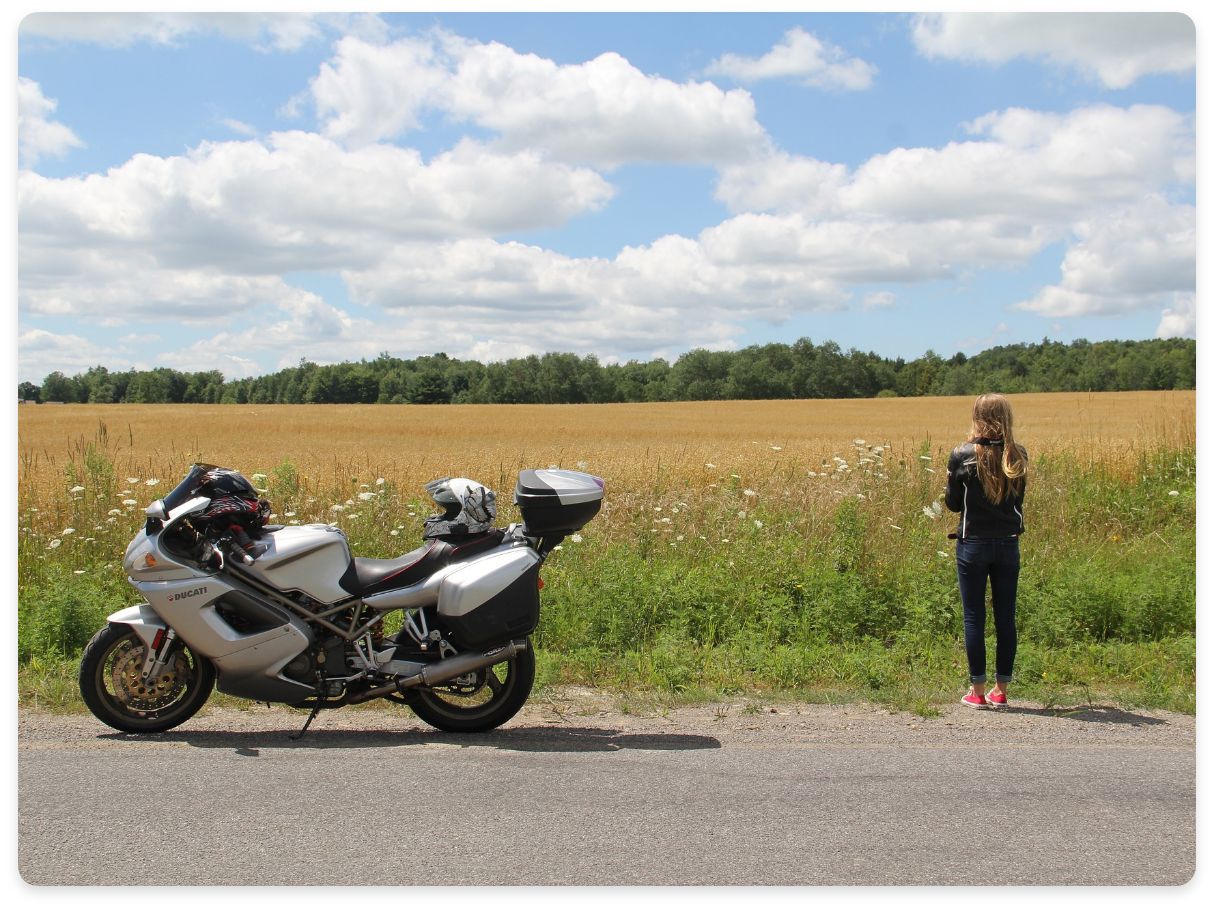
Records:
x=111, y=686
x=493, y=697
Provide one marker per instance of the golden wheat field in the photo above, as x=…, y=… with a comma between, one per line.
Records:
x=627, y=441
x=641, y=449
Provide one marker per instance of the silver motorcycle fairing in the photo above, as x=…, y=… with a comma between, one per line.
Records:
x=248, y=664
x=306, y=558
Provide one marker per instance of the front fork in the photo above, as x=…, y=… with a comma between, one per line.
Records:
x=158, y=654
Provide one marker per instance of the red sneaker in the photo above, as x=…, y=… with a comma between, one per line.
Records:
x=996, y=699
x=974, y=701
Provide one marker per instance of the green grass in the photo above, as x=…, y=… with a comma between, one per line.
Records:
x=823, y=590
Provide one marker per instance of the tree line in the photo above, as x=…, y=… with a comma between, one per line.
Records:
x=799, y=370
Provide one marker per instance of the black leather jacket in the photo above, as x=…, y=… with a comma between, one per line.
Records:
x=980, y=517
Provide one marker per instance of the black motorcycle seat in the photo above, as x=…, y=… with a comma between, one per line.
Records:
x=370, y=576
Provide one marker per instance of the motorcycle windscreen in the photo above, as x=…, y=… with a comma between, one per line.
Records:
x=188, y=487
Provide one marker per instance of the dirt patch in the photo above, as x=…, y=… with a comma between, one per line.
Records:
x=739, y=723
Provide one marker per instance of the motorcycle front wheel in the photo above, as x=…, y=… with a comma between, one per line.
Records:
x=479, y=701
x=111, y=685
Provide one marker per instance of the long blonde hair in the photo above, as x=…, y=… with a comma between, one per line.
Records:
x=1001, y=475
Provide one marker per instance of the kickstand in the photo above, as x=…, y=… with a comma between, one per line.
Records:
x=307, y=723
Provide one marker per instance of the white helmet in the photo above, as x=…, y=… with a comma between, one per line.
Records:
x=467, y=507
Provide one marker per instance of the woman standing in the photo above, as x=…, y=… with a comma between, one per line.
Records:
x=986, y=480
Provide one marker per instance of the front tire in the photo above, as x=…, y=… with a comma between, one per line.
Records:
x=482, y=700
x=113, y=690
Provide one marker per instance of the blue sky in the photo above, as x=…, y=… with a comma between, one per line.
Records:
x=238, y=192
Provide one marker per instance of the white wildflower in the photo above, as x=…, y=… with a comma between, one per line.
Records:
x=936, y=508
x=337, y=507
x=67, y=531
x=132, y=480
x=812, y=473
x=724, y=540
x=124, y=492
x=55, y=544
x=741, y=515
x=394, y=532
x=129, y=502
x=90, y=540
x=927, y=510
x=290, y=514
x=942, y=554
x=680, y=537
x=151, y=482
x=259, y=478
x=859, y=442
x=366, y=497
x=749, y=492
x=758, y=524
x=1173, y=492
x=379, y=481
x=114, y=512
x=657, y=508
x=709, y=466
x=777, y=448
x=558, y=546
x=76, y=489
x=664, y=521
x=349, y=502
x=575, y=538
x=352, y=515
x=877, y=450
x=861, y=497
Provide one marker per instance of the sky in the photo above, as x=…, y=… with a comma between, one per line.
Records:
x=242, y=191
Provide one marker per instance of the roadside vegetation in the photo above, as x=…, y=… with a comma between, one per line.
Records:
x=772, y=567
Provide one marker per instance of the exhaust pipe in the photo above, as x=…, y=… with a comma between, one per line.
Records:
x=443, y=671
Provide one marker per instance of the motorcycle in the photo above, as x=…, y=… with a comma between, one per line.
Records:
x=286, y=614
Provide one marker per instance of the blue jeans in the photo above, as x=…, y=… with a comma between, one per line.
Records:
x=999, y=560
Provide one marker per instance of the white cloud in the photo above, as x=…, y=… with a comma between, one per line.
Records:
x=1137, y=258
x=37, y=134
x=800, y=56
x=879, y=300
x=1113, y=48
x=239, y=127
x=1180, y=319
x=603, y=112
x=1024, y=164
x=265, y=31
x=40, y=353
x=296, y=201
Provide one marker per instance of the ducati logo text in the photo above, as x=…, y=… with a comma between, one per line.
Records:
x=182, y=595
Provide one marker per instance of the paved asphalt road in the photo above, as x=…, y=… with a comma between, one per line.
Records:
x=813, y=796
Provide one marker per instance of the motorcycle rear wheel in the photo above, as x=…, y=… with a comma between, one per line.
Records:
x=490, y=698
x=113, y=690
